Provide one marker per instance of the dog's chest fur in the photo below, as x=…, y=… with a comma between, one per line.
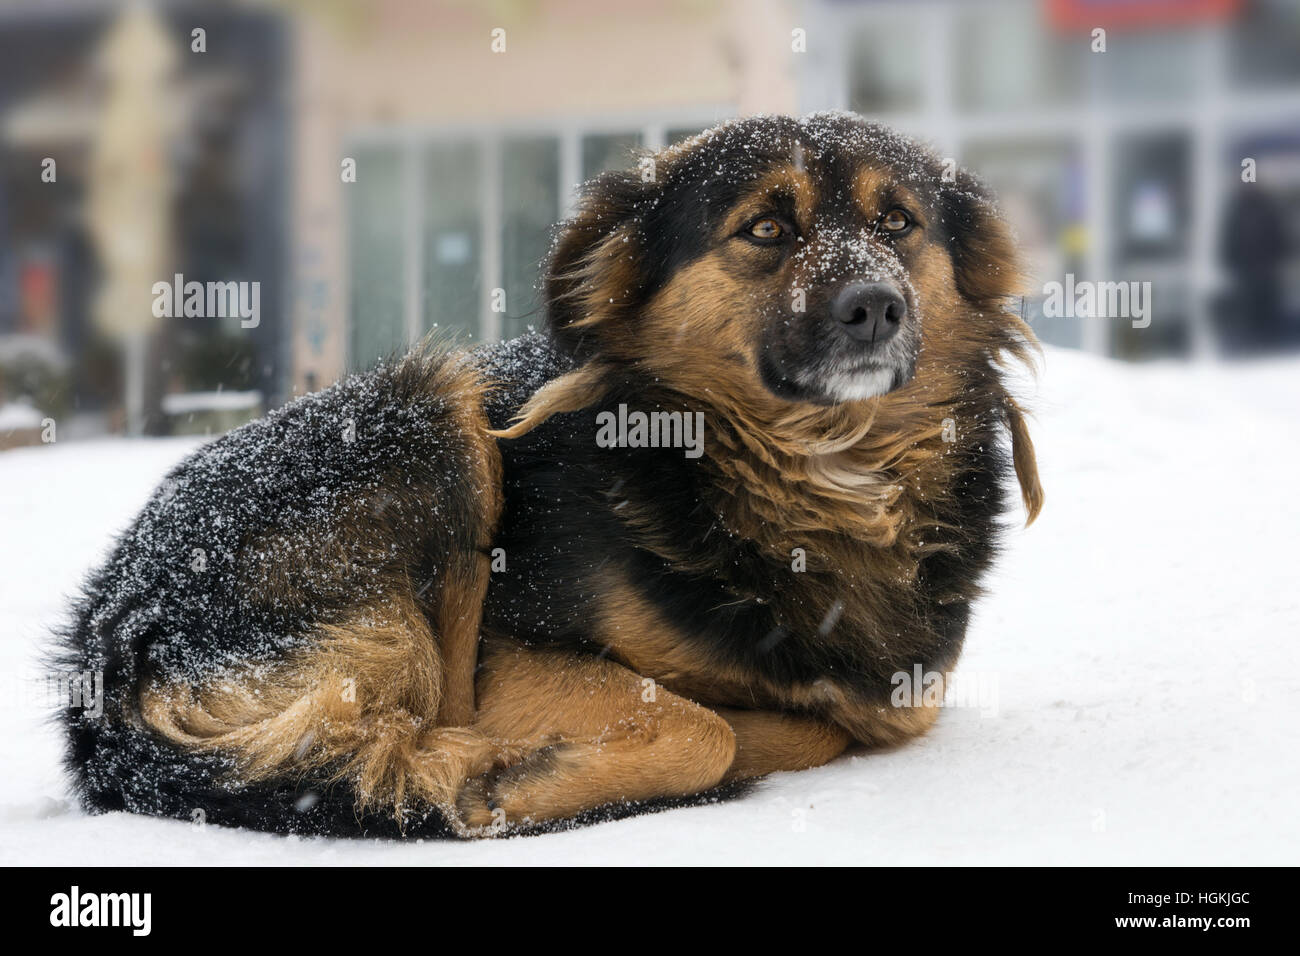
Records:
x=713, y=580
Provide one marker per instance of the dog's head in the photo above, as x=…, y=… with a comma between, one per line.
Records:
x=812, y=260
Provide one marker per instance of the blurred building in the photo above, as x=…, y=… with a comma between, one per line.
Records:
x=223, y=166
x=389, y=167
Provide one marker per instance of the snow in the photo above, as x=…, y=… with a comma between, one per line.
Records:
x=1141, y=638
x=16, y=415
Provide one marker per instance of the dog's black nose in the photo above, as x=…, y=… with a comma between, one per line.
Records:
x=870, y=311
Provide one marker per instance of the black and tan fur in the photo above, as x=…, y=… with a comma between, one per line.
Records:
x=349, y=659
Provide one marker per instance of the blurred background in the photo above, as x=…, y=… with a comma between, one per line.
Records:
x=383, y=168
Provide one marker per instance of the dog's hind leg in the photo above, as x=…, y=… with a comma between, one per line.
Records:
x=359, y=708
x=457, y=619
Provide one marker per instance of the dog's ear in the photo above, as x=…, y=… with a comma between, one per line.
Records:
x=988, y=270
x=594, y=271
x=1024, y=461
x=984, y=251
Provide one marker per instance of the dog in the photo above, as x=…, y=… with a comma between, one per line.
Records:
x=754, y=468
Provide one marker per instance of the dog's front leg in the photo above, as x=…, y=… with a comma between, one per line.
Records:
x=768, y=741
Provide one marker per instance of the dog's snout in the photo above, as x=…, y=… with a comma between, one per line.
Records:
x=869, y=311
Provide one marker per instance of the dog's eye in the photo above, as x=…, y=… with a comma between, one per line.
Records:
x=766, y=229
x=896, y=221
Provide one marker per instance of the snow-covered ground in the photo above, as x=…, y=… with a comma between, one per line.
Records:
x=1141, y=638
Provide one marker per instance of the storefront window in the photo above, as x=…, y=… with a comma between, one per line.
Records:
x=1009, y=60
x=375, y=218
x=1151, y=200
x=1264, y=48
x=451, y=292
x=1149, y=67
x=885, y=73
x=530, y=182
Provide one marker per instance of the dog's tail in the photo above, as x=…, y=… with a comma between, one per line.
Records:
x=117, y=766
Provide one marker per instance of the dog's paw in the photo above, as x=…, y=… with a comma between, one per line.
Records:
x=505, y=798
x=475, y=812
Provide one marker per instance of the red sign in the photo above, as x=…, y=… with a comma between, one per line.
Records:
x=1088, y=14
